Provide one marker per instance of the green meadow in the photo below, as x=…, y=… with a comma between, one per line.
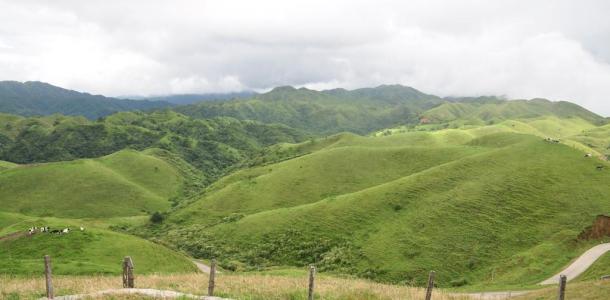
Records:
x=125, y=183
x=490, y=194
x=121, y=189
x=481, y=206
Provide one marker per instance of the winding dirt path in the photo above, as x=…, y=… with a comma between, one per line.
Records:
x=581, y=264
x=13, y=236
x=202, y=267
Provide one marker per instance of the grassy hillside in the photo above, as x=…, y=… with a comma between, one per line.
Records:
x=5, y=165
x=93, y=251
x=479, y=206
x=38, y=98
x=338, y=169
x=574, y=132
x=491, y=111
x=121, y=184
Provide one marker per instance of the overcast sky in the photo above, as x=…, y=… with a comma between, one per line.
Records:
x=521, y=49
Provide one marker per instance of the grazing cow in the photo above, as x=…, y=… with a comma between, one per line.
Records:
x=599, y=168
x=82, y=228
x=588, y=155
x=55, y=231
x=66, y=230
x=551, y=140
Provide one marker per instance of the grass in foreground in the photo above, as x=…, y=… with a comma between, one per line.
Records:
x=235, y=286
x=587, y=290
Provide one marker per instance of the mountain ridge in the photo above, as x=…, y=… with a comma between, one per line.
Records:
x=32, y=98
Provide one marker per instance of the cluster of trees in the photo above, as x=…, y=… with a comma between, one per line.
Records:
x=210, y=145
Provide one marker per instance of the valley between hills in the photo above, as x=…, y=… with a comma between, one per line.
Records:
x=376, y=187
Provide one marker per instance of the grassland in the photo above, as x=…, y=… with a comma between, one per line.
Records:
x=119, y=190
x=125, y=183
x=5, y=165
x=483, y=207
x=574, y=132
x=260, y=286
x=479, y=197
x=236, y=286
x=588, y=290
x=93, y=251
x=493, y=111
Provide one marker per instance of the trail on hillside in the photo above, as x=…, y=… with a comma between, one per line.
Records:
x=581, y=264
x=202, y=267
x=12, y=236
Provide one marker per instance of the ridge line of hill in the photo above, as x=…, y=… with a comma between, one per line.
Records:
x=368, y=188
x=127, y=180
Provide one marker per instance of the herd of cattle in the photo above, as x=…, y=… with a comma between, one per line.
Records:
x=47, y=229
x=556, y=141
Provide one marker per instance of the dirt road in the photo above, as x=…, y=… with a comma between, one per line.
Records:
x=581, y=264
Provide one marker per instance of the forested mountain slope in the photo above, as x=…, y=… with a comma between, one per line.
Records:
x=211, y=145
x=370, y=109
x=358, y=111
x=34, y=98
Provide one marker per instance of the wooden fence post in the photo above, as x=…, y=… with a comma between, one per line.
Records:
x=211, y=283
x=430, y=285
x=312, y=275
x=47, y=274
x=562, y=287
x=128, y=278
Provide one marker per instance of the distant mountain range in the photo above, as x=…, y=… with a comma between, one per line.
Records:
x=183, y=99
x=38, y=98
x=325, y=112
x=364, y=110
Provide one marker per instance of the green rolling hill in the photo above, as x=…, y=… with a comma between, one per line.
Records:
x=120, y=189
x=469, y=187
x=479, y=112
x=481, y=206
x=92, y=251
x=125, y=183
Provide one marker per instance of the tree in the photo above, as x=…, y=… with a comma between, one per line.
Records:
x=156, y=217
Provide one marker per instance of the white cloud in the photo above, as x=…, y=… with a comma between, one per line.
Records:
x=523, y=49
